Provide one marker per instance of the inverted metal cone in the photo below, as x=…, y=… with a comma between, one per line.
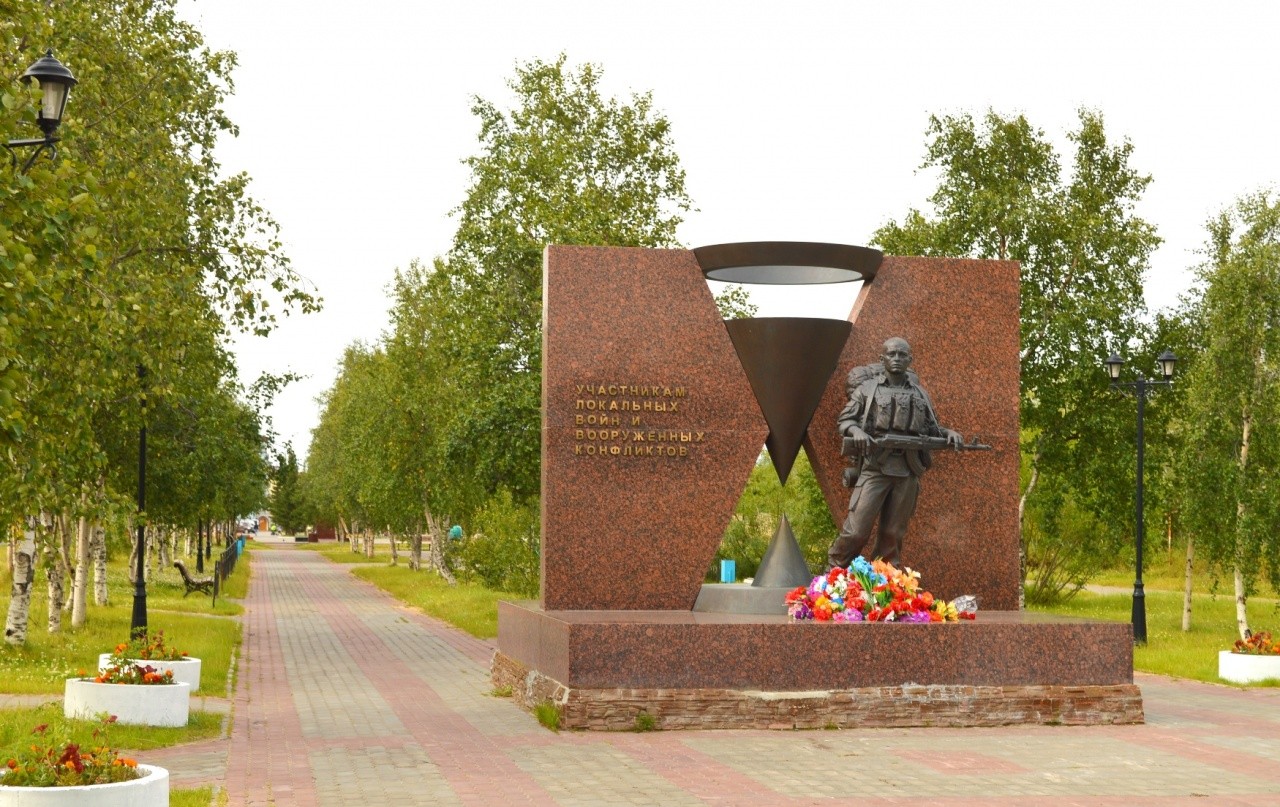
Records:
x=783, y=563
x=788, y=361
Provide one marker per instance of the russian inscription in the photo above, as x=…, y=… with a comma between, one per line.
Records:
x=632, y=420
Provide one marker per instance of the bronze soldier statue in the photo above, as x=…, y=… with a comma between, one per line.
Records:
x=889, y=428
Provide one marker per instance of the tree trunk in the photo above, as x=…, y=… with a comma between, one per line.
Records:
x=55, y=572
x=395, y=553
x=1186, y=587
x=167, y=537
x=99, y=565
x=437, y=534
x=80, y=581
x=1242, y=613
x=66, y=547
x=24, y=573
x=415, y=550
x=133, y=554
x=1022, y=549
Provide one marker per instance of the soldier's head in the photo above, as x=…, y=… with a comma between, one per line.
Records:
x=896, y=356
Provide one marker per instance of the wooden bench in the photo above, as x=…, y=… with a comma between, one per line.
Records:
x=203, y=584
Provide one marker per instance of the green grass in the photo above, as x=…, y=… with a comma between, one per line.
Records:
x=1169, y=651
x=16, y=726
x=548, y=714
x=46, y=660
x=468, y=606
x=1165, y=571
x=194, y=797
x=235, y=587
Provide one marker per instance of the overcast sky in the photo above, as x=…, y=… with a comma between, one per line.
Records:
x=799, y=121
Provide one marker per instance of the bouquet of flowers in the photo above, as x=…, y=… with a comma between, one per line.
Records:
x=64, y=763
x=1258, y=644
x=873, y=592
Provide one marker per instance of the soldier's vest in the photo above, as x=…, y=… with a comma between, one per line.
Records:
x=902, y=410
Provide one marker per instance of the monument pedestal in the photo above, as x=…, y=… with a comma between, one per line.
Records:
x=688, y=669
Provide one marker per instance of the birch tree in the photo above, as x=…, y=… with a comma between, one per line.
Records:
x=1230, y=471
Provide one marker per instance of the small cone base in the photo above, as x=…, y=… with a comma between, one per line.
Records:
x=783, y=563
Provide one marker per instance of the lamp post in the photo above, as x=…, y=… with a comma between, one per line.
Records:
x=1141, y=386
x=56, y=82
x=138, y=622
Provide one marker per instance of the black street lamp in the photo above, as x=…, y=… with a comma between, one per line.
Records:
x=138, y=622
x=1140, y=386
x=56, y=82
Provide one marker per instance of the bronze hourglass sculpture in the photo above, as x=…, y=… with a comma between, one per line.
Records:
x=789, y=362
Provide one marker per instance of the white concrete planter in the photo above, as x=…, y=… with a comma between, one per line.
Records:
x=141, y=704
x=1246, y=668
x=186, y=671
x=151, y=790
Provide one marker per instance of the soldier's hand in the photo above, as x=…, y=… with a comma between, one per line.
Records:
x=953, y=438
x=859, y=439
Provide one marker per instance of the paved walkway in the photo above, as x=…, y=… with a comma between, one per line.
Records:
x=344, y=697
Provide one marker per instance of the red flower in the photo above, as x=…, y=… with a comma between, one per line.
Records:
x=71, y=758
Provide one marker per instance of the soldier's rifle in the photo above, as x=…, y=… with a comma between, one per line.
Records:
x=910, y=442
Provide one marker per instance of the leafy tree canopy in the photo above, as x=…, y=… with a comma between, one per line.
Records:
x=1003, y=194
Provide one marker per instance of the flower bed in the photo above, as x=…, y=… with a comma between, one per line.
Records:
x=151, y=789
x=68, y=773
x=1254, y=659
x=873, y=592
x=185, y=670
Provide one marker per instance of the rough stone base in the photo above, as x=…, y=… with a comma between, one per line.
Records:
x=869, y=707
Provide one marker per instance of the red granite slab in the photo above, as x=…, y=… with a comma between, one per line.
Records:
x=672, y=649
x=962, y=320
x=634, y=508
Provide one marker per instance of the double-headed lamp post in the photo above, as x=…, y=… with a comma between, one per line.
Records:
x=56, y=82
x=1140, y=386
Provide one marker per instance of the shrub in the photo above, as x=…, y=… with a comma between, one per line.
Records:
x=1063, y=549
x=503, y=550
